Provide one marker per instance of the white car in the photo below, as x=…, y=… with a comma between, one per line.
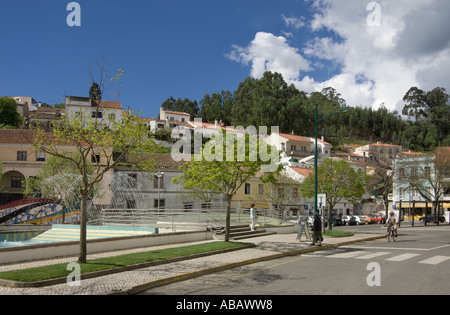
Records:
x=359, y=220
x=346, y=219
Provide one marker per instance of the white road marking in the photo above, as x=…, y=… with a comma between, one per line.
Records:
x=346, y=255
x=434, y=260
x=402, y=257
x=373, y=255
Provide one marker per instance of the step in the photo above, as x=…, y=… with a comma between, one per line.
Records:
x=246, y=232
x=252, y=235
x=234, y=228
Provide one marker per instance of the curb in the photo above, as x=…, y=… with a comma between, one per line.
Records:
x=189, y=275
x=90, y=275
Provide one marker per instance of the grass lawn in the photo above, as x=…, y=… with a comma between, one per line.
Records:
x=60, y=271
x=337, y=233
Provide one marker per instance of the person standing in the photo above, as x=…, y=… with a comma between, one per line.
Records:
x=253, y=216
x=317, y=228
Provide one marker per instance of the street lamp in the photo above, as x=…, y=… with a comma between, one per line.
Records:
x=316, y=121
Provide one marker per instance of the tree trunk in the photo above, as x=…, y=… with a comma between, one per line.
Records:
x=83, y=222
x=228, y=219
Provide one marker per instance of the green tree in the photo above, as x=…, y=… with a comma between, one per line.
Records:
x=338, y=180
x=429, y=109
x=95, y=92
x=8, y=112
x=98, y=150
x=225, y=165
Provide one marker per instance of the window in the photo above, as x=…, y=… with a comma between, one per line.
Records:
x=95, y=158
x=402, y=193
x=260, y=189
x=427, y=171
x=247, y=189
x=21, y=155
x=160, y=204
x=40, y=156
x=295, y=192
x=16, y=182
x=293, y=148
x=97, y=114
x=401, y=173
x=158, y=181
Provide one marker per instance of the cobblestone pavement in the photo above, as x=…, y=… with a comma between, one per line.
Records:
x=126, y=282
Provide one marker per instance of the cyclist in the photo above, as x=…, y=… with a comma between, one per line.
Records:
x=392, y=222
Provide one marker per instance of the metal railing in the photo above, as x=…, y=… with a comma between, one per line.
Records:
x=212, y=219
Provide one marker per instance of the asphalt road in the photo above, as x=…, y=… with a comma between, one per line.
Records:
x=417, y=263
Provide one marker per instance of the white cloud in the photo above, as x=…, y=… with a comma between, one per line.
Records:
x=268, y=52
x=378, y=64
x=294, y=22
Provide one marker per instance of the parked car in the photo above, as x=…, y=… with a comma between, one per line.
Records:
x=352, y=221
x=337, y=220
x=376, y=218
x=430, y=218
x=360, y=219
x=346, y=219
x=368, y=219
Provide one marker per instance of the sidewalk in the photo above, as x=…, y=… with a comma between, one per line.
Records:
x=138, y=280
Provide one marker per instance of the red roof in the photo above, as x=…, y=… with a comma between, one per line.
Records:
x=302, y=171
x=294, y=137
x=107, y=104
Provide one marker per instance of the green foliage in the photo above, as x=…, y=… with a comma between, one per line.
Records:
x=338, y=180
x=98, y=149
x=225, y=164
x=8, y=112
x=95, y=92
x=270, y=101
x=184, y=106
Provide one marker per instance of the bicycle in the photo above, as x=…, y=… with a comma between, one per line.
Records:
x=391, y=234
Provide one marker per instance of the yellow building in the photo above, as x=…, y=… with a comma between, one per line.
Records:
x=20, y=161
x=283, y=195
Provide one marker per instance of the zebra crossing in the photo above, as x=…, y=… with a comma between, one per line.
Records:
x=379, y=255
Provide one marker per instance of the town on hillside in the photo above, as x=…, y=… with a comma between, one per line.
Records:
x=399, y=179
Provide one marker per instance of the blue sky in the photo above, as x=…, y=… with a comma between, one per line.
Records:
x=187, y=48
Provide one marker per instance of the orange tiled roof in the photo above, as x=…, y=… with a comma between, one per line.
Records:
x=302, y=171
x=294, y=137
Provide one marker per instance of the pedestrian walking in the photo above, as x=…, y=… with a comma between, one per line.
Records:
x=317, y=228
x=253, y=216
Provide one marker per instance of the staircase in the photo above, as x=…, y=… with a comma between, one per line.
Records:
x=239, y=232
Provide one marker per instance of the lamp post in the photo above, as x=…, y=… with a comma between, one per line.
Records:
x=316, y=121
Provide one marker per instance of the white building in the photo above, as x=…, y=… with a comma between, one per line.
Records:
x=88, y=108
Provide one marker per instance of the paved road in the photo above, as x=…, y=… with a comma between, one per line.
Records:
x=418, y=263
